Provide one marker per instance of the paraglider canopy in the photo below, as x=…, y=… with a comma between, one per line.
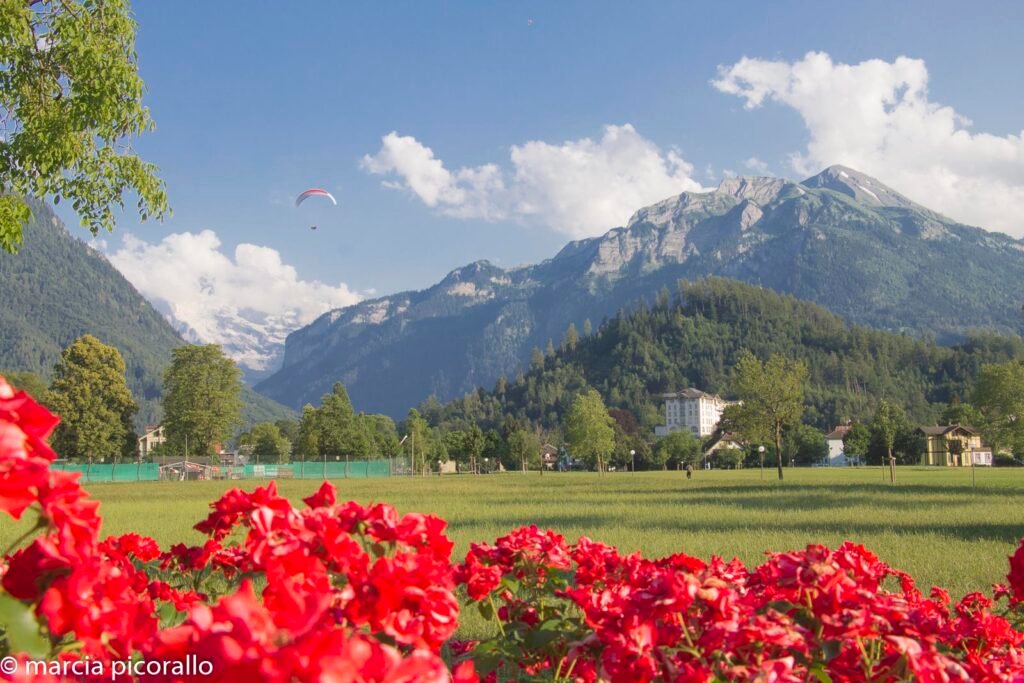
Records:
x=315, y=192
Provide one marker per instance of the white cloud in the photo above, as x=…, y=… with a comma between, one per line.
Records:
x=248, y=303
x=580, y=187
x=757, y=165
x=876, y=117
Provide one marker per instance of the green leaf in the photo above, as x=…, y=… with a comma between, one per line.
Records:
x=820, y=674
x=22, y=629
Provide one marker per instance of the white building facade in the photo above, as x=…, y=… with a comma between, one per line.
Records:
x=693, y=410
x=836, y=449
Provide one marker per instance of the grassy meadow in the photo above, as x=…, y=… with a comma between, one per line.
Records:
x=932, y=523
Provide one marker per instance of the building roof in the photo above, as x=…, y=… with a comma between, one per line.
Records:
x=692, y=393
x=942, y=430
x=838, y=433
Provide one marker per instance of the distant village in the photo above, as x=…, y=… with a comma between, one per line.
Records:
x=701, y=413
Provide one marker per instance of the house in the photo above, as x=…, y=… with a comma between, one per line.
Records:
x=722, y=440
x=718, y=444
x=942, y=451
x=836, y=451
x=692, y=409
x=151, y=437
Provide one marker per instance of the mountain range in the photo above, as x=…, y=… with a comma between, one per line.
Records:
x=57, y=288
x=840, y=239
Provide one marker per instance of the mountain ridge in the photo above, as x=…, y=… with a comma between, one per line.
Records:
x=839, y=238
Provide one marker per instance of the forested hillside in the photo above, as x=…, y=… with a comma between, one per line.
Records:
x=55, y=289
x=692, y=338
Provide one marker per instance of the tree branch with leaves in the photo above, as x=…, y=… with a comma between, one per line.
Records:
x=70, y=103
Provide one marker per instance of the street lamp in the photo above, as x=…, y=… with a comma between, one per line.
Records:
x=760, y=450
x=486, y=468
x=632, y=455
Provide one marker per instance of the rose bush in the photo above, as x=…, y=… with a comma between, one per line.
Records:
x=342, y=592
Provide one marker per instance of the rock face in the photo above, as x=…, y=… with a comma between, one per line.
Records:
x=840, y=238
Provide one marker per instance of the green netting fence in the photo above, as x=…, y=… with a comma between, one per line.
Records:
x=330, y=469
x=100, y=472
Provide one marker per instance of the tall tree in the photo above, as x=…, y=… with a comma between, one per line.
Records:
x=308, y=445
x=856, y=443
x=289, y=429
x=805, y=445
x=885, y=428
x=384, y=435
x=680, y=447
x=72, y=101
x=474, y=442
x=588, y=429
x=202, y=399
x=267, y=442
x=341, y=432
x=572, y=337
x=418, y=442
x=999, y=395
x=524, y=449
x=91, y=395
x=958, y=413
x=772, y=396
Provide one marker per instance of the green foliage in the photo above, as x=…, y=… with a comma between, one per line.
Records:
x=72, y=99
x=419, y=442
x=999, y=396
x=957, y=413
x=383, y=434
x=267, y=442
x=289, y=429
x=678, y=449
x=892, y=434
x=588, y=430
x=334, y=429
x=523, y=450
x=83, y=294
x=772, y=396
x=697, y=339
x=29, y=382
x=307, y=447
x=856, y=443
x=727, y=458
x=804, y=446
x=202, y=389
x=91, y=395
x=572, y=338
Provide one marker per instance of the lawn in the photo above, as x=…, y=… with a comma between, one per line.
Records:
x=931, y=523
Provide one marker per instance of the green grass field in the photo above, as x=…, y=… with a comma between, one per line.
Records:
x=932, y=523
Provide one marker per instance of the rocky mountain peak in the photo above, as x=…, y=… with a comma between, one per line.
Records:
x=759, y=189
x=859, y=186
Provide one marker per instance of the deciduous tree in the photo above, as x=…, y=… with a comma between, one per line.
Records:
x=999, y=395
x=680, y=447
x=524, y=449
x=72, y=100
x=772, y=396
x=202, y=399
x=91, y=395
x=588, y=429
x=856, y=443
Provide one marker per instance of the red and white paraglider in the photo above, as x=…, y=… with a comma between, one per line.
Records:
x=315, y=192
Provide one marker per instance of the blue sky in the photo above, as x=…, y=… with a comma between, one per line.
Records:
x=253, y=104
